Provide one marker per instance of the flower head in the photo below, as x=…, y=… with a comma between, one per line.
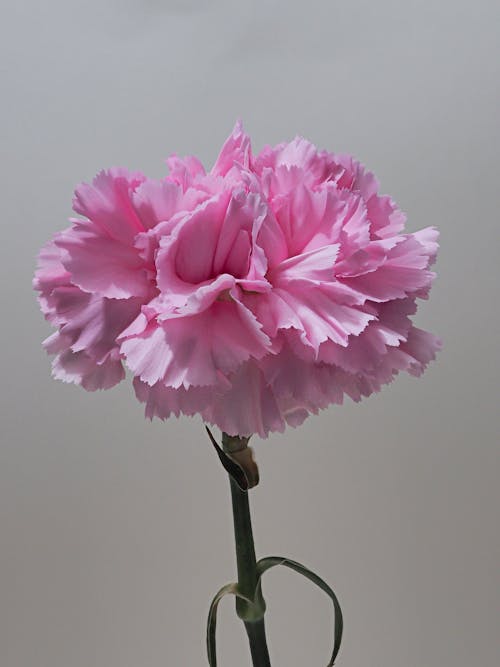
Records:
x=254, y=294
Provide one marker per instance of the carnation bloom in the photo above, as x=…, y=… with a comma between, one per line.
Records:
x=254, y=294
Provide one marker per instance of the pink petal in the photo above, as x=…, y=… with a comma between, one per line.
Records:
x=310, y=310
x=315, y=265
x=366, y=259
x=162, y=401
x=422, y=347
x=385, y=217
x=236, y=149
x=94, y=323
x=403, y=273
x=271, y=239
x=50, y=273
x=209, y=251
x=187, y=255
x=295, y=213
x=301, y=386
x=195, y=350
x=87, y=325
x=248, y=406
x=107, y=202
x=103, y=265
x=320, y=166
x=185, y=171
x=233, y=252
x=311, y=219
x=364, y=352
x=157, y=201
x=355, y=177
x=80, y=369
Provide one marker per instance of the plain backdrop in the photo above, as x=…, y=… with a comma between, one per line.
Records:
x=115, y=532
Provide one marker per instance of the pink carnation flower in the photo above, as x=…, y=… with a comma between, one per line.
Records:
x=254, y=294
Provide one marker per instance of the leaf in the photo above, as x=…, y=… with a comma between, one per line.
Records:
x=271, y=561
x=228, y=589
x=233, y=468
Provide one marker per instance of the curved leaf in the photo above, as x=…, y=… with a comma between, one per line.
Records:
x=272, y=561
x=228, y=589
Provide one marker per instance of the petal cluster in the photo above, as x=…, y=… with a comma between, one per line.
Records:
x=254, y=294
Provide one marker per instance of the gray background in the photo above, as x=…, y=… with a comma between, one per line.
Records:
x=116, y=532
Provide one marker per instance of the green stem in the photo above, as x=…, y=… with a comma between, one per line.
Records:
x=252, y=615
x=258, y=647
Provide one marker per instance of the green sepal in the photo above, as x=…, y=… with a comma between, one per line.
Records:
x=231, y=467
x=272, y=561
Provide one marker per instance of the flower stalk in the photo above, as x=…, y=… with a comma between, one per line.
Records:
x=237, y=459
x=250, y=608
